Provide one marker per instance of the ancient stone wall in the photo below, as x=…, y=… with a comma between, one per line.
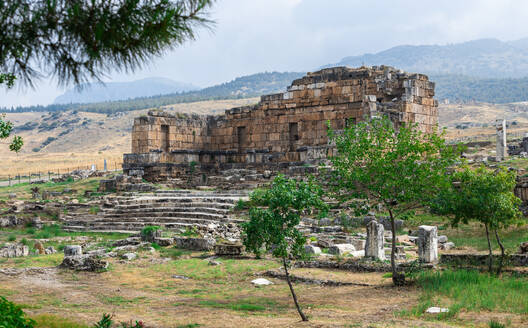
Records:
x=289, y=127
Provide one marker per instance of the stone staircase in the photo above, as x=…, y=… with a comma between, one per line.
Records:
x=170, y=209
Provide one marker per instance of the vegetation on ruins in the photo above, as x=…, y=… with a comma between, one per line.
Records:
x=397, y=169
x=485, y=196
x=274, y=215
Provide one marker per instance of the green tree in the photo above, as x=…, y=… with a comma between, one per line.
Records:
x=397, y=169
x=484, y=196
x=76, y=41
x=274, y=215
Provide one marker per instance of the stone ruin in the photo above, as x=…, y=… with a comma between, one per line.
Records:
x=283, y=130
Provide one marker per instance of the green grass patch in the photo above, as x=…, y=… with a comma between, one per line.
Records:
x=54, y=321
x=470, y=291
x=245, y=305
x=121, y=301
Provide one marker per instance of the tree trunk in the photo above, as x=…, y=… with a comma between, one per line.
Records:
x=303, y=317
x=490, y=260
x=501, y=262
x=398, y=279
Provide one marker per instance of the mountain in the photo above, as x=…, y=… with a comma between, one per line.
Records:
x=242, y=87
x=111, y=91
x=484, y=58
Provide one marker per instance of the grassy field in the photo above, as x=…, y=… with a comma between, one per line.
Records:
x=149, y=289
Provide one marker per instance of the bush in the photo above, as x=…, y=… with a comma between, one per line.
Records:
x=11, y=238
x=495, y=324
x=12, y=316
x=105, y=322
x=149, y=231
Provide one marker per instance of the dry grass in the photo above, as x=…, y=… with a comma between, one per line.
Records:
x=100, y=138
x=219, y=296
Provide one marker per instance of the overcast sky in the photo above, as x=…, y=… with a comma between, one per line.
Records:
x=252, y=36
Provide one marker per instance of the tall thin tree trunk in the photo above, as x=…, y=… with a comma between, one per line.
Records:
x=490, y=259
x=501, y=262
x=303, y=317
x=398, y=279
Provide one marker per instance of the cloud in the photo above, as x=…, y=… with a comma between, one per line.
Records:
x=297, y=35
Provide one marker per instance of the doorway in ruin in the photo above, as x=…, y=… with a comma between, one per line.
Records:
x=165, y=138
x=242, y=138
x=294, y=135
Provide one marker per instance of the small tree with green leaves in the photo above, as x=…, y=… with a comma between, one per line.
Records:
x=399, y=169
x=484, y=196
x=6, y=127
x=274, y=215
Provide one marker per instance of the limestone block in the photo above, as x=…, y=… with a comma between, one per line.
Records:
x=341, y=249
x=375, y=240
x=428, y=244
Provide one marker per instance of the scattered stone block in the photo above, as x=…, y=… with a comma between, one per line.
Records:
x=523, y=248
x=442, y=239
x=261, y=282
x=50, y=250
x=435, y=310
x=341, y=249
x=227, y=249
x=73, y=250
x=38, y=246
x=375, y=241
x=14, y=250
x=310, y=249
x=447, y=246
x=129, y=256
x=164, y=241
x=9, y=221
x=428, y=244
x=196, y=244
x=84, y=263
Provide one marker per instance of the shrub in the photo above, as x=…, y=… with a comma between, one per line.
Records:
x=241, y=205
x=11, y=238
x=12, y=316
x=495, y=324
x=149, y=231
x=105, y=322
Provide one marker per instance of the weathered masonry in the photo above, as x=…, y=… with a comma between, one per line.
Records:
x=282, y=129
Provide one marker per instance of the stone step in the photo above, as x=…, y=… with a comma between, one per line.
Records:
x=152, y=200
x=204, y=194
x=149, y=209
x=130, y=227
x=151, y=219
x=199, y=215
x=84, y=229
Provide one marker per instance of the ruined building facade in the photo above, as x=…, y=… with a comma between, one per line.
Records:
x=283, y=129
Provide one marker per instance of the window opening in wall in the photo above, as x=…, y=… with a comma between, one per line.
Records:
x=165, y=138
x=242, y=137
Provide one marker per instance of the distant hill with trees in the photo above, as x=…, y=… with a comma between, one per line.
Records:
x=242, y=87
x=111, y=91
x=483, y=58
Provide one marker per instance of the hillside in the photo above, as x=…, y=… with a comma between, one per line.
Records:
x=484, y=58
x=239, y=88
x=73, y=138
x=111, y=91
